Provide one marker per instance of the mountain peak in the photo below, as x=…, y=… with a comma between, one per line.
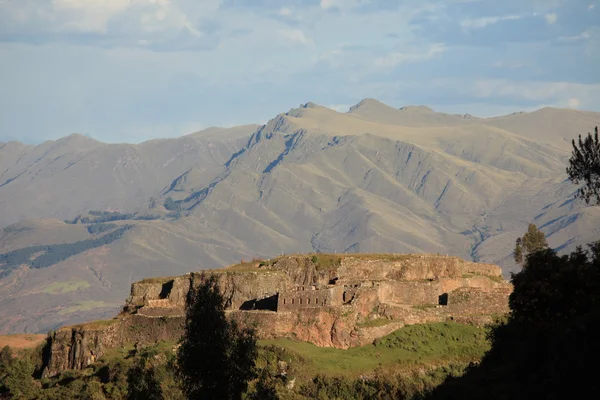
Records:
x=310, y=104
x=368, y=103
x=79, y=137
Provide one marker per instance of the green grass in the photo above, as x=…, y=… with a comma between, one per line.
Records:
x=159, y=279
x=65, y=287
x=85, y=305
x=416, y=344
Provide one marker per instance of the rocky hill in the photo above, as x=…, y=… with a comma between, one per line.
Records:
x=328, y=300
x=375, y=179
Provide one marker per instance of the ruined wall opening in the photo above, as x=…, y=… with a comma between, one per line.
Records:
x=267, y=303
x=443, y=299
x=165, y=291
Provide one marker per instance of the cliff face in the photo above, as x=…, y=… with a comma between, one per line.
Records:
x=333, y=301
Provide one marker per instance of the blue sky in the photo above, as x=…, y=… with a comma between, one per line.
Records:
x=131, y=70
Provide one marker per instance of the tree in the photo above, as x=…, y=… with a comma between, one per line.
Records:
x=19, y=379
x=534, y=240
x=584, y=167
x=553, y=288
x=548, y=347
x=142, y=382
x=5, y=360
x=216, y=358
x=519, y=251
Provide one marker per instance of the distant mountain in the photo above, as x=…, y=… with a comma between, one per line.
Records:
x=374, y=179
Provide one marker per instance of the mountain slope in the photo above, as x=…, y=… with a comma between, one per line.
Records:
x=375, y=179
x=61, y=178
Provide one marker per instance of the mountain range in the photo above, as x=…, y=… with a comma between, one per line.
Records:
x=81, y=219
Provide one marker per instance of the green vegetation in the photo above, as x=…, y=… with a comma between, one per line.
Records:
x=584, y=167
x=99, y=228
x=158, y=279
x=47, y=255
x=65, y=287
x=98, y=217
x=16, y=229
x=100, y=323
x=416, y=344
x=550, y=336
x=407, y=362
x=85, y=305
x=143, y=382
x=172, y=205
x=534, y=240
x=216, y=358
x=326, y=262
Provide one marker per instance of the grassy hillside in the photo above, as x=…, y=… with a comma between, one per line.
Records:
x=417, y=356
x=427, y=344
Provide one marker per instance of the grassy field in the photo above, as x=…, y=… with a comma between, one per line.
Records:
x=409, y=346
x=85, y=305
x=65, y=287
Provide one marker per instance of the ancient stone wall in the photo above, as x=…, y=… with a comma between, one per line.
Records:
x=475, y=301
x=477, y=281
x=404, y=289
x=79, y=346
x=240, y=287
x=413, y=293
x=310, y=297
x=411, y=267
x=171, y=292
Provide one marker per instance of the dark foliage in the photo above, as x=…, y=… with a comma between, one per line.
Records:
x=99, y=228
x=548, y=349
x=584, y=167
x=17, y=379
x=534, y=240
x=216, y=358
x=172, y=205
x=5, y=360
x=105, y=216
x=142, y=382
x=174, y=215
x=46, y=255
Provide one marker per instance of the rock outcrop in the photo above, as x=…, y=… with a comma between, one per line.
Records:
x=331, y=301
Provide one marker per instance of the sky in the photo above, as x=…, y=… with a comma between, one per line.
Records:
x=133, y=70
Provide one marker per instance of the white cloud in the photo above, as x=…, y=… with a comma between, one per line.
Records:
x=551, y=18
x=479, y=23
x=573, y=102
x=582, y=36
x=98, y=16
x=341, y=4
x=549, y=92
x=295, y=36
x=591, y=6
x=395, y=59
x=285, y=11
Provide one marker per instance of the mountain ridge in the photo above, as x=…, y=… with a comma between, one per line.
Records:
x=309, y=180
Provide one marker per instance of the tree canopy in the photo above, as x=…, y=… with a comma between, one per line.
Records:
x=533, y=240
x=548, y=347
x=216, y=357
x=584, y=167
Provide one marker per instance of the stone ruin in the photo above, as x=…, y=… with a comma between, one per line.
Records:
x=294, y=297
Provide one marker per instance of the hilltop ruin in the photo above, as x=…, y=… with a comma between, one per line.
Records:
x=333, y=301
